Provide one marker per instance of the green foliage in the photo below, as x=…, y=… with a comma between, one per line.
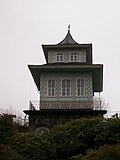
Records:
x=108, y=132
x=16, y=145
x=6, y=128
x=69, y=141
x=106, y=152
x=8, y=153
x=76, y=137
x=32, y=146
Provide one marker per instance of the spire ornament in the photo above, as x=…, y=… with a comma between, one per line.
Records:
x=69, y=28
x=68, y=40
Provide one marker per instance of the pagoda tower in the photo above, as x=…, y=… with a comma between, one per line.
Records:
x=67, y=83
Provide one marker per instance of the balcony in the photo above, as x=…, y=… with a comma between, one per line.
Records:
x=38, y=105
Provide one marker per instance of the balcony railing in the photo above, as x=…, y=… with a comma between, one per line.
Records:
x=37, y=105
x=34, y=105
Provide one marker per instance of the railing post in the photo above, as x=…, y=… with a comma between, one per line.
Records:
x=31, y=106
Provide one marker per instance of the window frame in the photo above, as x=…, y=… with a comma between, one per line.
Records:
x=52, y=88
x=59, y=56
x=74, y=56
x=80, y=87
x=66, y=88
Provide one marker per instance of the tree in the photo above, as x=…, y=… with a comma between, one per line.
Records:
x=77, y=136
x=106, y=152
x=7, y=128
x=31, y=145
x=73, y=139
x=16, y=144
x=100, y=103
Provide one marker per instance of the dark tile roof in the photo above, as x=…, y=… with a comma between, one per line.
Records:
x=68, y=40
x=65, y=112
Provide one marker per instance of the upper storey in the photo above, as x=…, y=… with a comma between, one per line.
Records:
x=68, y=51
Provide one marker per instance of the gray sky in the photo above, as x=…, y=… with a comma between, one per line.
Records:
x=26, y=24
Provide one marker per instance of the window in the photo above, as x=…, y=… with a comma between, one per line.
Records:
x=74, y=57
x=59, y=57
x=51, y=87
x=80, y=87
x=66, y=87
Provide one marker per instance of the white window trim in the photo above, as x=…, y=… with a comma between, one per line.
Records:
x=80, y=88
x=53, y=88
x=59, y=57
x=61, y=88
x=74, y=56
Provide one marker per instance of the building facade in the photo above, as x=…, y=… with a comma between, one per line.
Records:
x=67, y=83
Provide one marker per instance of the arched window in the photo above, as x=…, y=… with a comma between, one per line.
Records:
x=59, y=57
x=51, y=87
x=74, y=57
x=66, y=87
x=80, y=87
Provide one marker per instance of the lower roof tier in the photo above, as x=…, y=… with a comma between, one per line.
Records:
x=95, y=69
x=50, y=112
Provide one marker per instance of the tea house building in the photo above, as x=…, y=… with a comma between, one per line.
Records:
x=67, y=83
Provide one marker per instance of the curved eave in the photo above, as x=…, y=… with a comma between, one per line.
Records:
x=95, y=69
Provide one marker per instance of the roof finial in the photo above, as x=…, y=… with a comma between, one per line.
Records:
x=69, y=28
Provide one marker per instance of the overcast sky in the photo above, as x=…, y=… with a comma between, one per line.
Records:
x=26, y=24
